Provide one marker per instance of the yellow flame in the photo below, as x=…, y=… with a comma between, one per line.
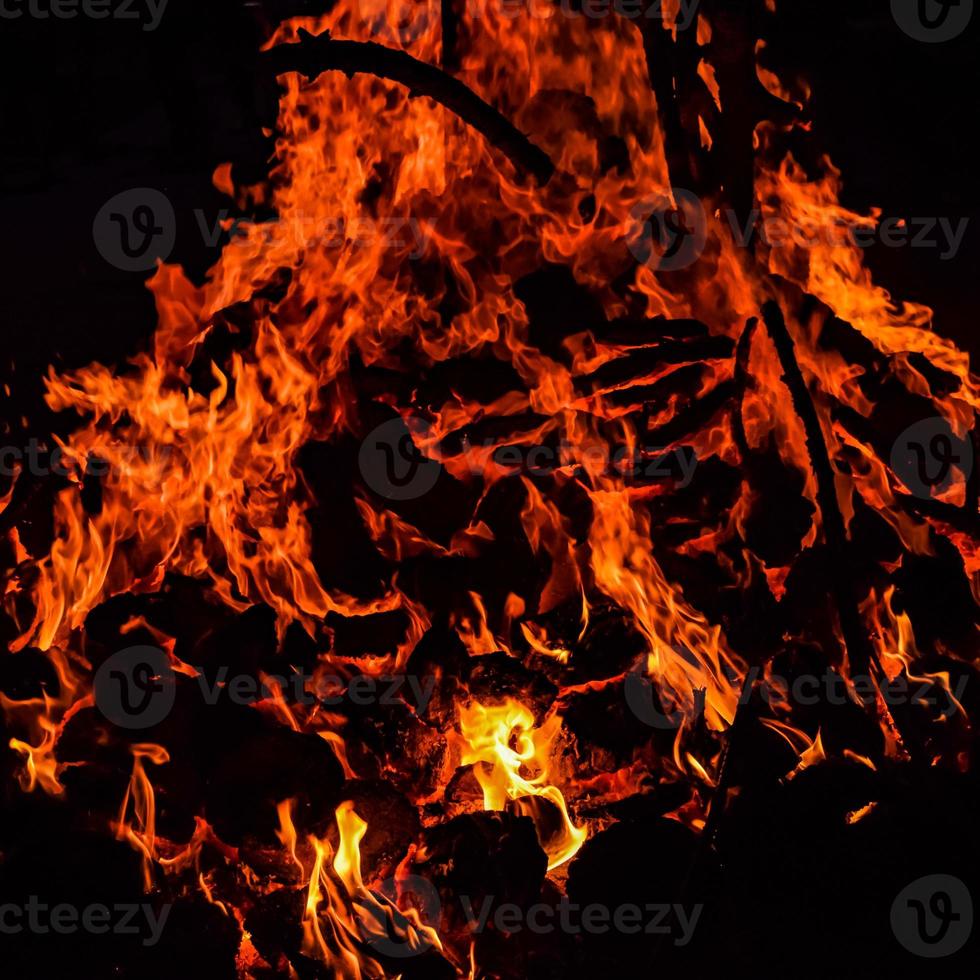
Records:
x=514, y=760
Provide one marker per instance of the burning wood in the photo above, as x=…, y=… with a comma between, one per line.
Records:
x=480, y=600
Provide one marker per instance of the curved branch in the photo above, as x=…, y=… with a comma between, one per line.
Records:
x=743, y=382
x=314, y=55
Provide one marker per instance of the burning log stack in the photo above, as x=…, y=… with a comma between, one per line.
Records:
x=564, y=588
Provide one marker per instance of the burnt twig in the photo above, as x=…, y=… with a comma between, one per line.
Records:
x=860, y=651
x=744, y=382
x=642, y=361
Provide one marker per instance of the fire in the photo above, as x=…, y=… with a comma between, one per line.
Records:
x=514, y=761
x=401, y=248
x=344, y=919
x=140, y=831
x=686, y=653
x=328, y=934
x=41, y=764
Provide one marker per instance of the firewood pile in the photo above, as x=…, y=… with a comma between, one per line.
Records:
x=526, y=579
